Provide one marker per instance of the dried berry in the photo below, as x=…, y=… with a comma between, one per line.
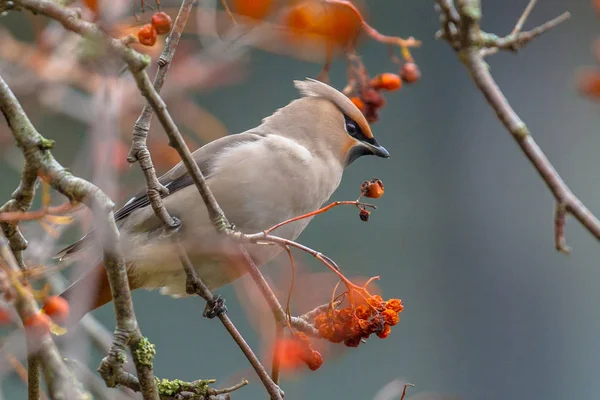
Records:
x=365, y=327
x=384, y=332
x=386, y=81
x=352, y=341
x=377, y=324
x=376, y=302
x=373, y=98
x=315, y=361
x=410, y=72
x=57, y=308
x=147, y=35
x=391, y=317
x=326, y=331
x=320, y=320
x=395, y=305
x=162, y=22
x=339, y=334
x=363, y=311
x=364, y=214
x=345, y=314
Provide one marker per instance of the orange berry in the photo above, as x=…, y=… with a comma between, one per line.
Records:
x=385, y=332
x=289, y=352
x=162, y=22
x=147, y=35
x=363, y=311
x=5, y=316
x=315, y=361
x=92, y=5
x=57, y=308
x=410, y=72
x=395, y=305
x=37, y=324
x=589, y=83
x=358, y=103
x=391, y=317
x=335, y=23
x=256, y=9
x=386, y=81
x=373, y=188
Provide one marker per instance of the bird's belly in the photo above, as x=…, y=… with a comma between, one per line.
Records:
x=157, y=266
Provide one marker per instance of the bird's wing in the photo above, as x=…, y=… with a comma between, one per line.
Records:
x=174, y=180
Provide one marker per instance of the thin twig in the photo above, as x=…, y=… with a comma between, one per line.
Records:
x=523, y=17
x=194, y=285
x=139, y=150
x=517, y=40
x=472, y=54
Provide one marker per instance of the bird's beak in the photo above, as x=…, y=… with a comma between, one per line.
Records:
x=377, y=149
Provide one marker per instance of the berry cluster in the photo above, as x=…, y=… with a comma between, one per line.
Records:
x=161, y=23
x=353, y=324
x=369, y=99
x=297, y=350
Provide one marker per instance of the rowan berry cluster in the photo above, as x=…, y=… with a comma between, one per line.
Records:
x=353, y=324
x=369, y=99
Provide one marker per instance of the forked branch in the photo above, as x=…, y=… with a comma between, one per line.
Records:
x=461, y=29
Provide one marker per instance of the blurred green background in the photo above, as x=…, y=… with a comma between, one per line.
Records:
x=464, y=233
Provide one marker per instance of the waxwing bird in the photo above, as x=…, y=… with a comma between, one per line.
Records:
x=287, y=166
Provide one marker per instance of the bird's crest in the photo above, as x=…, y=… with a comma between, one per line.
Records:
x=313, y=88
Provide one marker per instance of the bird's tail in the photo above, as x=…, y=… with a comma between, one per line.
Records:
x=88, y=293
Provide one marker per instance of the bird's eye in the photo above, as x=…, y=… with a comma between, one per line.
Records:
x=351, y=127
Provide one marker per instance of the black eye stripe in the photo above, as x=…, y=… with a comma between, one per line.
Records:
x=353, y=129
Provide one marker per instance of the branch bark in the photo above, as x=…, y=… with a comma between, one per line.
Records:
x=460, y=28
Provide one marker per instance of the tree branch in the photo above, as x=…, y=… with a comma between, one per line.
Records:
x=472, y=46
x=36, y=150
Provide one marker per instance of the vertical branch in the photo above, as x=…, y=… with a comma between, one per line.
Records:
x=139, y=151
x=33, y=378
